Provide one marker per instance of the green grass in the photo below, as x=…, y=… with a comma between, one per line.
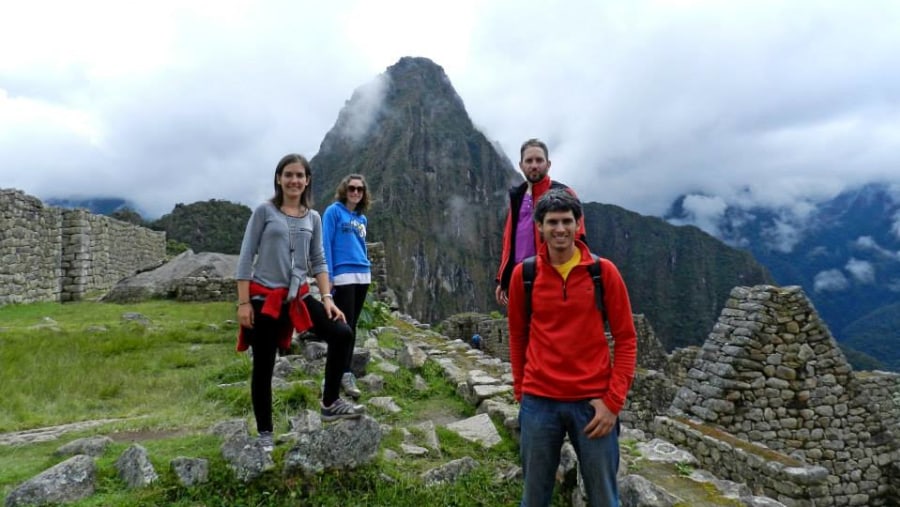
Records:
x=71, y=371
x=162, y=384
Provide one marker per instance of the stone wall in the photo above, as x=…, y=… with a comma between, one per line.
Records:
x=54, y=254
x=766, y=472
x=495, y=337
x=30, y=249
x=651, y=393
x=379, y=274
x=770, y=372
x=769, y=400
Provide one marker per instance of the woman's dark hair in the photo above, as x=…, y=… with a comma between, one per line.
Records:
x=340, y=194
x=306, y=196
x=556, y=199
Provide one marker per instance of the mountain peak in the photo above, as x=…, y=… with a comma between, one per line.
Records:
x=436, y=182
x=415, y=89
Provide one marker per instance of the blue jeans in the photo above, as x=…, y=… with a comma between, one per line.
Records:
x=543, y=424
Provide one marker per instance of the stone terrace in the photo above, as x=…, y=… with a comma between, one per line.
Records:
x=771, y=373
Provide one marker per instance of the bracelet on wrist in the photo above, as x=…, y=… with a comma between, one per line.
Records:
x=328, y=296
x=242, y=303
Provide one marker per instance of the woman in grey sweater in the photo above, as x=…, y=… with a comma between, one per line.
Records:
x=282, y=245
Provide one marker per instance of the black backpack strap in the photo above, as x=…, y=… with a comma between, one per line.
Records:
x=596, y=271
x=529, y=272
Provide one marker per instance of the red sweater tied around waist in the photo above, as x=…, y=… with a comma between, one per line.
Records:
x=272, y=307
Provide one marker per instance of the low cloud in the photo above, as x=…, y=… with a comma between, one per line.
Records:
x=895, y=225
x=868, y=243
x=704, y=212
x=783, y=236
x=761, y=103
x=367, y=100
x=832, y=280
x=862, y=271
x=894, y=285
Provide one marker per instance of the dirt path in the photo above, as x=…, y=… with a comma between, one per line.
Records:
x=50, y=432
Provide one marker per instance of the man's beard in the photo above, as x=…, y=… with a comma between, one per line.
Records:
x=534, y=178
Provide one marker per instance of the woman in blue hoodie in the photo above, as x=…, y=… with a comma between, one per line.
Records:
x=344, y=239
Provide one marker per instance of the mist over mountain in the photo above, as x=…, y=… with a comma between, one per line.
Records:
x=441, y=195
x=98, y=205
x=844, y=252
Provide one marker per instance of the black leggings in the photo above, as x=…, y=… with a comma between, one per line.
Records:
x=264, y=340
x=350, y=299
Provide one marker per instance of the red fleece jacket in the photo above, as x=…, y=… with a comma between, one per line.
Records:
x=563, y=353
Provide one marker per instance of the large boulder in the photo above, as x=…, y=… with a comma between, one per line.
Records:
x=72, y=480
x=205, y=276
x=341, y=445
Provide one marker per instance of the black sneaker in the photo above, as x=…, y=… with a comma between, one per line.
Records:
x=341, y=409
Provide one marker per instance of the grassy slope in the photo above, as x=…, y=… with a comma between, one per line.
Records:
x=163, y=381
x=89, y=363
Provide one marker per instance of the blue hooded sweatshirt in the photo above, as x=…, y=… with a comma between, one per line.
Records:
x=344, y=239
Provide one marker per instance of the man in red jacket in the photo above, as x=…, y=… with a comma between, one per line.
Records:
x=563, y=375
x=520, y=237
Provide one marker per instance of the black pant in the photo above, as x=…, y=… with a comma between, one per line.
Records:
x=264, y=340
x=350, y=299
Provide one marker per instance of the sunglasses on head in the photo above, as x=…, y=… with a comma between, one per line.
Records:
x=354, y=188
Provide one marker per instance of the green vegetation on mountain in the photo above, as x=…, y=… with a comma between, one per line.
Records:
x=129, y=215
x=206, y=226
x=438, y=185
x=679, y=277
x=877, y=333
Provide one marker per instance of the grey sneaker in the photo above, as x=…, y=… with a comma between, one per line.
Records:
x=266, y=441
x=348, y=384
x=341, y=409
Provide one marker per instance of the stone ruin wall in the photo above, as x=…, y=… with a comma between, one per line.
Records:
x=653, y=388
x=771, y=373
x=55, y=254
x=769, y=400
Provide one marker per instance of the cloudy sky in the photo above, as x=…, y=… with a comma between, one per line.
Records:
x=184, y=100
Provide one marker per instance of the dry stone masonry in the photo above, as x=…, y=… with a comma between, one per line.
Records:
x=771, y=373
x=55, y=254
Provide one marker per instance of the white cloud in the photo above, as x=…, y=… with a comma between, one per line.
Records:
x=704, y=212
x=782, y=236
x=766, y=102
x=893, y=285
x=831, y=280
x=367, y=102
x=895, y=225
x=862, y=271
x=869, y=243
